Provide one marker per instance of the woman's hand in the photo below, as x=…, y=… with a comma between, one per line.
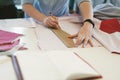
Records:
x=51, y=22
x=84, y=36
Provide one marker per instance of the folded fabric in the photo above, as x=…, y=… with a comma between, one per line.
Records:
x=106, y=11
x=8, y=37
x=107, y=32
x=109, y=41
x=9, y=40
x=110, y=25
x=8, y=46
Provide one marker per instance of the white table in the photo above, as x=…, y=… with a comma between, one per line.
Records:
x=106, y=63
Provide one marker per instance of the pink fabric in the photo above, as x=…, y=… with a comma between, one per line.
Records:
x=8, y=46
x=8, y=40
x=8, y=37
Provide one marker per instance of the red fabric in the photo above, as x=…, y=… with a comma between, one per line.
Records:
x=110, y=25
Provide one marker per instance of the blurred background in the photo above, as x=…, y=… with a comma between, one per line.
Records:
x=72, y=6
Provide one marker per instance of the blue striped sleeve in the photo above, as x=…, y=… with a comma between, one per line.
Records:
x=27, y=1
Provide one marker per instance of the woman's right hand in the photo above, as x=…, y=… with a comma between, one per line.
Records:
x=51, y=22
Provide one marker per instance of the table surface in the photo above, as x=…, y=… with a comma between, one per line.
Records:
x=107, y=64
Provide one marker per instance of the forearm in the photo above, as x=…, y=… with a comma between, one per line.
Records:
x=86, y=10
x=87, y=13
x=31, y=11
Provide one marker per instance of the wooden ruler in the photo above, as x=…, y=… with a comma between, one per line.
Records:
x=63, y=36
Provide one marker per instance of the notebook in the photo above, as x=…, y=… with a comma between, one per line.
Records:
x=55, y=65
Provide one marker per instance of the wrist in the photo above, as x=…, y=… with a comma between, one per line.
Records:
x=89, y=21
x=45, y=20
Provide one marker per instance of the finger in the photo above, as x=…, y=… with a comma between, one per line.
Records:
x=54, y=19
x=72, y=36
x=79, y=41
x=91, y=43
x=58, y=27
x=54, y=22
x=49, y=23
x=85, y=42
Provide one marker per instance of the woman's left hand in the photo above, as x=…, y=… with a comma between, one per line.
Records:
x=84, y=36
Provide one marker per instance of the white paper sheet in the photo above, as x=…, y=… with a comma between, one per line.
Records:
x=49, y=41
x=18, y=22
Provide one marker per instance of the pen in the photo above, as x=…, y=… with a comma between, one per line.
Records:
x=55, y=19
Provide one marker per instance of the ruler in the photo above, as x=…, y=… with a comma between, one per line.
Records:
x=63, y=36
